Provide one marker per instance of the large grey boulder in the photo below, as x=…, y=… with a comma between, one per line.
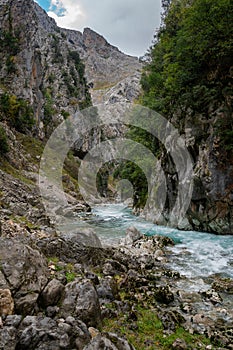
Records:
x=8, y=338
x=52, y=293
x=43, y=333
x=132, y=235
x=81, y=301
x=25, y=271
x=84, y=237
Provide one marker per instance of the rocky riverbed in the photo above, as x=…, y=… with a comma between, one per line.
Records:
x=57, y=292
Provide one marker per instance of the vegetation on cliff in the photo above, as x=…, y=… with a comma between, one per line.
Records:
x=189, y=77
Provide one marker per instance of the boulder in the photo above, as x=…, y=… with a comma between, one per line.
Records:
x=132, y=235
x=52, y=293
x=43, y=333
x=84, y=237
x=26, y=272
x=179, y=344
x=8, y=338
x=163, y=294
x=81, y=301
x=6, y=302
x=108, y=341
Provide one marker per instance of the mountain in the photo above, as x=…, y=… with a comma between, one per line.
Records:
x=46, y=74
x=43, y=64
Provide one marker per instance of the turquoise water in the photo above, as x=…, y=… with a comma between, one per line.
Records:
x=194, y=254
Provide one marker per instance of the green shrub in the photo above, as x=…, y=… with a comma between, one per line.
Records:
x=17, y=112
x=4, y=147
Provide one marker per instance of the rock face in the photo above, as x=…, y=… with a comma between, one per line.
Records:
x=105, y=64
x=211, y=205
x=40, y=62
x=39, y=65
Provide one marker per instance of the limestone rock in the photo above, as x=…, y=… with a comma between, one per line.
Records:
x=26, y=272
x=132, y=235
x=6, y=302
x=83, y=237
x=52, y=293
x=108, y=341
x=179, y=344
x=81, y=301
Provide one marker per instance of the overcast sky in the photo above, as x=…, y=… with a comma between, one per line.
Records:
x=127, y=24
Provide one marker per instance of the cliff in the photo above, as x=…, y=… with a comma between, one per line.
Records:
x=43, y=65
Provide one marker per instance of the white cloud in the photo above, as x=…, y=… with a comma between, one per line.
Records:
x=128, y=24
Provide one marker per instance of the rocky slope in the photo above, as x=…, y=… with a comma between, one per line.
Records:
x=55, y=293
x=40, y=62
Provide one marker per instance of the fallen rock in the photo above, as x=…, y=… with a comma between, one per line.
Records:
x=6, y=302
x=26, y=272
x=81, y=301
x=52, y=293
x=163, y=294
x=223, y=285
x=132, y=235
x=44, y=333
x=179, y=344
x=108, y=341
x=8, y=338
x=84, y=237
x=212, y=296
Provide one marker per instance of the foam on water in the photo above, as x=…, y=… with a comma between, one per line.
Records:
x=196, y=254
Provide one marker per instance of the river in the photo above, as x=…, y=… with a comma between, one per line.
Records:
x=195, y=254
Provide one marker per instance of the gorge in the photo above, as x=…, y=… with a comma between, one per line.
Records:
x=115, y=280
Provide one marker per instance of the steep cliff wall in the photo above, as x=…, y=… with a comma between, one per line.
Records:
x=189, y=81
x=38, y=64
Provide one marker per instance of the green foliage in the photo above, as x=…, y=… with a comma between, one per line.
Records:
x=9, y=42
x=74, y=57
x=190, y=57
x=17, y=112
x=188, y=70
x=150, y=333
x=48, y=106
x=224, y=130
x=65, y=114
x=57, y=58
x=4, y=147
x=10, y=65
x=131, y=171
x=70, y=276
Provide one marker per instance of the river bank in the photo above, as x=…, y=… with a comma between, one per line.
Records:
x=58, y=292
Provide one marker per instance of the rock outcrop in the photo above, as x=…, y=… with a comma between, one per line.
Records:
x=39, y=65
x=49, y=303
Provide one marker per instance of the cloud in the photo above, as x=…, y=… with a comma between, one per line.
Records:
x=57, y=7
x=128, y=24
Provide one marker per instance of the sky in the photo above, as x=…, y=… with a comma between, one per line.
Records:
x=128, y=24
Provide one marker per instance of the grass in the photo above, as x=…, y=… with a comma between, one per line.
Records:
x=70, y=276
x=68, y=269
x=23, y=220
x=34, y=148
x=9, y=169
x=147, y=332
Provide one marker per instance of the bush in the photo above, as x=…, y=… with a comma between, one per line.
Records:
x=4, y=147
x=17, y=112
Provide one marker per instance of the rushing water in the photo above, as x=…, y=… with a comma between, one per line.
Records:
x=194, y=255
